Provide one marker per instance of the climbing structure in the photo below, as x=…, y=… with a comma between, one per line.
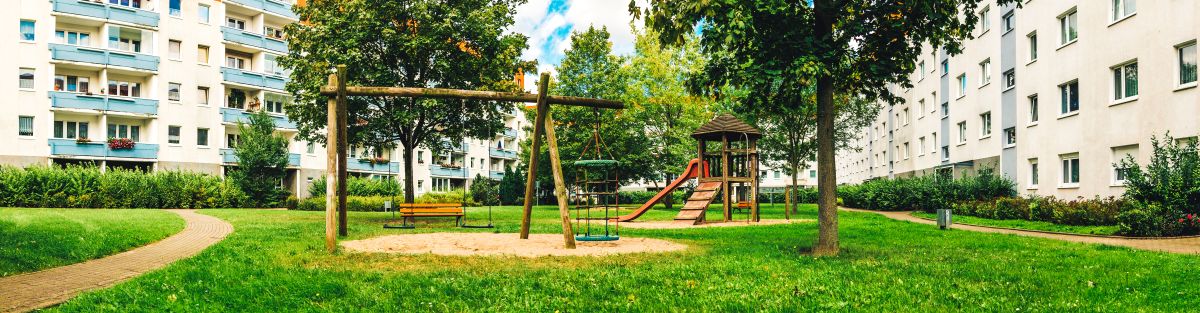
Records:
x=596, y=184
x=732, y=167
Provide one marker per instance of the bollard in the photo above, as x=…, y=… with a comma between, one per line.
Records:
x=943, y=218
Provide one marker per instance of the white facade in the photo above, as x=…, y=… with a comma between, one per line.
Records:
x=174, y=76
x=1106, y=76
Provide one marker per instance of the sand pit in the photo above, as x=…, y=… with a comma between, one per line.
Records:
x=488, y=244
x=674, y=225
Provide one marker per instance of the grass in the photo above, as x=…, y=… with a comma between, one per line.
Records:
x=1025, y=224
x=274, y=261
x=35, y=239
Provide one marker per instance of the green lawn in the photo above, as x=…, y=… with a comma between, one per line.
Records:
x=35, y=239
x=275, y=261
x=1024, y=224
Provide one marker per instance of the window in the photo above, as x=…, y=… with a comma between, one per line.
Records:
x=70, y=130
x=202, y=137
x=962, y=132
x=173, y=5
x=28, y=30
x=131, y=132
x=985, y=23
x=237, y=62
x=273, y=32
x=1070, y=97
x=25, y=78
x=73, y=38
x=921, y=71
x=173, y=134
x=71, y=83
x=202, y=54
x=905, y=151
x=420, y=185
x=1125, y=81
x=202, y=13
x=25, y=126
x=945, y=153
x=1033, y=46
x=1068, y=27
x=921, y=146
x=1010, y=79
x=985, y=72
x=1033, y=109
x=933, y=143
x=130, y=39
x=235, y=23
x=962, y=85
x=945, y=110
x=920, y=108
x=905, y=116
x=1070, y=169
x=173, y=49
x=232, y=140
x=271, y=66
x=124, y=89
x=1010, y=137
x=985, y=127
x=1187, y=64
x=1120, y=174
x=173, y=91
x=1123, y=8
x=945, y=67
x=1008, y=23
x=1033, y=172
x=202, y=95
x=312, y=148
x=275, y=102
x=812, y=173
x=421, y=157
x=131, y=4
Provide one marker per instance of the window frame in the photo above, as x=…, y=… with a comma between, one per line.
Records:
x=203, y=54
x=962, y=132
x=1034, y=174
x=203, y=13
x=178, y=134
x=1010, y=79
x=175, y=8
x=985, y=23
x=962, y=85
x=985, y=72
x=174, y=91
x=1008, y=22
x=32, y=129
x=1179, y=64
x=1065, y=99
x=202, y=139
x=32, y=80
x=1032, y=40
x=985, y=125
x=1070, y=174
x=68, y=129
x=1120, y=87
x=1120, y=11
x=31, y=36
x=1010, y=137
x=1033, y=104
x=1069, y=20
x=174, y=50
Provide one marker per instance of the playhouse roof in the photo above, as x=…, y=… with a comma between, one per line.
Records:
x=725, y=125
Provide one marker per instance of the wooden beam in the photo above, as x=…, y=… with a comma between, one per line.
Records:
x=560, y=186
x=538, y=128
x=341, y=148
x=472, y=95
x=331, y=166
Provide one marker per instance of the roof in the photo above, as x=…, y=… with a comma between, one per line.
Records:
x=725, y=125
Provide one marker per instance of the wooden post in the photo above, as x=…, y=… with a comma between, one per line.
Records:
x=331, y=169
x=543, y=108
x=341, y=149
x=725, y=197
x=560, y=186
x=752, y=145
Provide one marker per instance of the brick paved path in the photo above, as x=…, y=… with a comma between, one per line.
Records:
x=1173, y=245
x=41, y=289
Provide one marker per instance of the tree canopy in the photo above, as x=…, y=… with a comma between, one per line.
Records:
x=262, y=160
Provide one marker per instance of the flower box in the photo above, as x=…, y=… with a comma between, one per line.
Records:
x=120, y=143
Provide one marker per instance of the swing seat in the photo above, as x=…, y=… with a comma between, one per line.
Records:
x=597, y=237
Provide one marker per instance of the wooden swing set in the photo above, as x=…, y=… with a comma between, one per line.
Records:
x=336, y=161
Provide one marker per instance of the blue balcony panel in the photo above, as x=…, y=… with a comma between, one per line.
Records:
x=353, y=164
x=509, y=132
x=100, y=149
x=232, y=115
x=503, y=154
x=438, y=170
x=106, y=11
x=275, y=7
x=104, y=57
x=234, y=75
x=253, y=40
x=497, y=175
x=71, y=100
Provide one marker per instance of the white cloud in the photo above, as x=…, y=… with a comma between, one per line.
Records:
x=546, y=44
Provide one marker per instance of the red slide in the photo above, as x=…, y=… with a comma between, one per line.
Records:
x=692, y=171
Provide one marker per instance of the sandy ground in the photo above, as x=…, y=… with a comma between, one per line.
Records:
x=674, y=225
x=488, y=244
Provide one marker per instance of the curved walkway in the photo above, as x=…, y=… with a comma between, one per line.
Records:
x=31, y=291
x=1173, y=245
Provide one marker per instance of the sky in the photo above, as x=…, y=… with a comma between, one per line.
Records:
x=549, y=23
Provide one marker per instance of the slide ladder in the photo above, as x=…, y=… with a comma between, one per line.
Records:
x=692, y=212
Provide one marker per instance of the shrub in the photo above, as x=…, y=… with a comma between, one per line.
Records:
x=485, y=190
x=453, y=196
x=1165, y=191
x=925, y=193
x=353, y=203
x=512, y=186
x=1082, y=212
x=359, y=186
x=88, y=187
x=639, y=197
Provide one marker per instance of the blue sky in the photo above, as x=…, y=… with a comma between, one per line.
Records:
x=549, y=24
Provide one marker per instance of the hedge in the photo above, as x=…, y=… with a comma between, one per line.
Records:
x=88, y=187
x=926, y=193
x=360, y=186
x=1080, y=212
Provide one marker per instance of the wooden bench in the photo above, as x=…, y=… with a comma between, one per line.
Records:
x=411, y=211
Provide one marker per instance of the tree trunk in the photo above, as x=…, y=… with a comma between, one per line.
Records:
x=827, y=215
x=409, y=192
x=792, y=199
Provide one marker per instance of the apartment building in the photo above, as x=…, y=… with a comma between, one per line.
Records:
x=174, y=77
x=1051, y=95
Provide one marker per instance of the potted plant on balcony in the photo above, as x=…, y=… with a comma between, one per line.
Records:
x=449, y=165
x=82, y=140
x=120, y=143
x=374, y=160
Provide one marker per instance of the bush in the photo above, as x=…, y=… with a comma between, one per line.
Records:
x=485, y=190
x=359, y=186
x=1165, y=194
x=375, y=203
x=640, y=197
x=799, y=195
x=512, y=187
x=88, y=187
x=453, y=196
x=925, y=193
x=1080, y=212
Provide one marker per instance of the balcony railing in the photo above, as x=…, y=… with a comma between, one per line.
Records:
x=106, y=11
x=275, y=7
x=234, y=75
x=100, y=149
x=63, y=52
x=253, y=40
x=71, y=100
x=503, y=154
x=497, y=175
x=438, y=170
x=509, y=132
x=456, y=147
x=232, y=115
x=354, y=164
x=229, y=157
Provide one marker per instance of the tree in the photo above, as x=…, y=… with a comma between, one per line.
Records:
x=485, y=190
x=262, y=160
x=589, y=69
x=512, y=186
x=658, y=96
x=775, y=48
x=416, y=43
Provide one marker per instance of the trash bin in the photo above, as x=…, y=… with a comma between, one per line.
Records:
x=943, y=218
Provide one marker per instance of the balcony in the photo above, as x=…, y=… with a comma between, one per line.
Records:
x=100, y=149
x=232, y=115
x=497, y=175
x=100, y=56
x=503, y=154
x=354, y=164
x=234, y=75
x=71, y=100
x=445, y=171
x=274, y=7
x=253, y=40
x=106, y=11
x=456, y=147
x=229, y=157
x=511, y=133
